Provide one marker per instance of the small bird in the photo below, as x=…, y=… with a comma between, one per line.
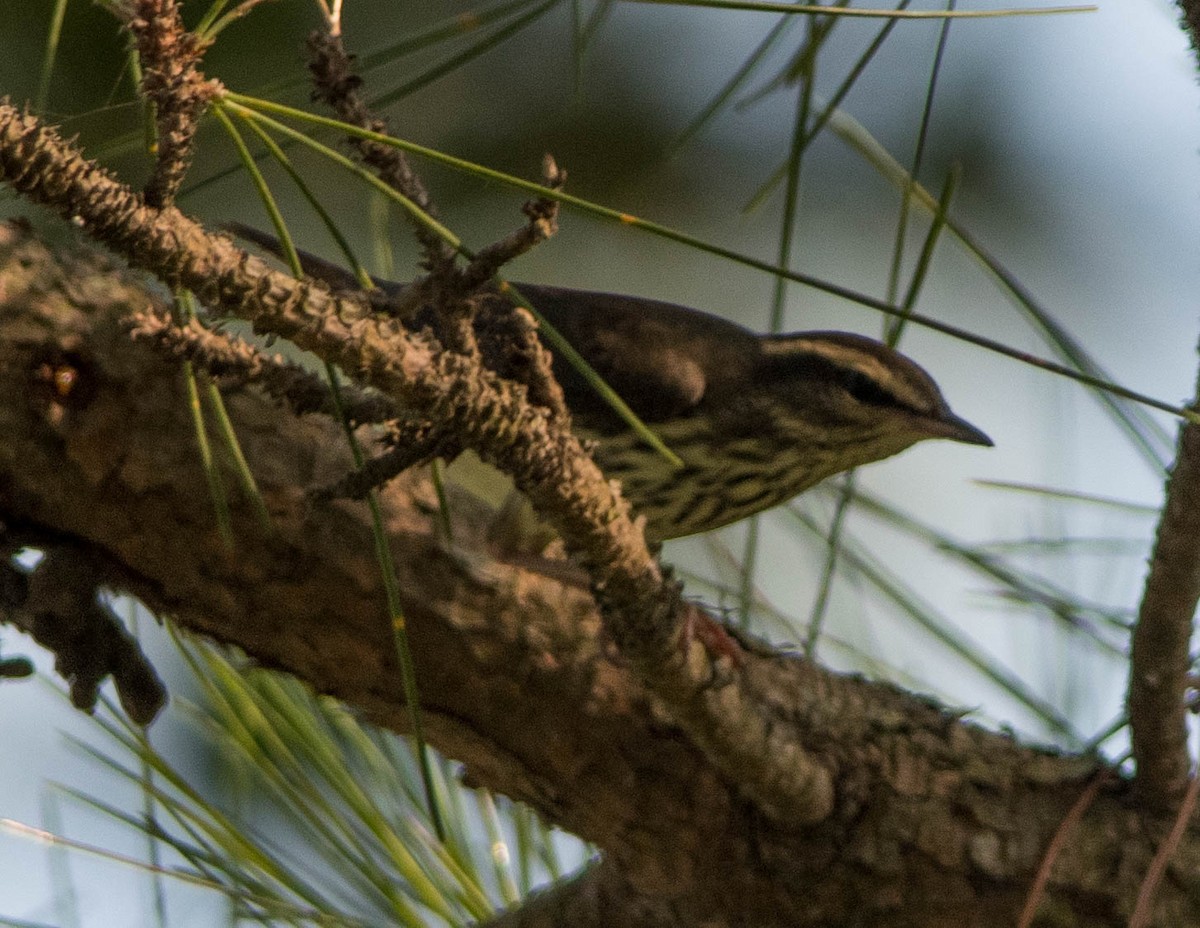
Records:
x=756, y=419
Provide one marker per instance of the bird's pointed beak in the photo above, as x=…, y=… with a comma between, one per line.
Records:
x=958, y=429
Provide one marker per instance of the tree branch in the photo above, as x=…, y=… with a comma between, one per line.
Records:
x=172, y=83
x=594, y=898
x=1160, y=659
x=338, y=86
x=235, y=362
x=934, y=823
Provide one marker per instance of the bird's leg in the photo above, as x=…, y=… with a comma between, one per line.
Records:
x=699, y=624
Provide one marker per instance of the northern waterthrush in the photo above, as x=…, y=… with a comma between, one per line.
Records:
x=756, y=419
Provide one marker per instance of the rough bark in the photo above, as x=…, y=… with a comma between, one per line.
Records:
x=936, y=822
x=1160, y=658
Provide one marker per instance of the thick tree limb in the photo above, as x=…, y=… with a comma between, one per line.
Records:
x=935, y=822
x=597, y=897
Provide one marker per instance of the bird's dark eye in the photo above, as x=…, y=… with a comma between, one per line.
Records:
x=866, y=389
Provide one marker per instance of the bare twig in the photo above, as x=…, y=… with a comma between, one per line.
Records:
x=337, y=85
x=1037, y=892
x=234, y=362
x=172, y=82
x=542, y=214
x=1144, y=908
x=415, y=443
x=1159, y=660
x=446, y=288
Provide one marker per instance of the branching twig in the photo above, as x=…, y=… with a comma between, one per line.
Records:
x=172, y=83
x=542, y=214
x=337, y=85
x=234, y=362
x=415, y=443
x=445, y=287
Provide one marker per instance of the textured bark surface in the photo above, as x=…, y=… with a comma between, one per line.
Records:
x=1160, y=659
x=935, y=822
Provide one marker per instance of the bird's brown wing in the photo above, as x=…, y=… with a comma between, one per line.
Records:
x=655, y=355
x=660, y=358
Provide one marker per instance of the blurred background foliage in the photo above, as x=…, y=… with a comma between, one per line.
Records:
x=1075, y=139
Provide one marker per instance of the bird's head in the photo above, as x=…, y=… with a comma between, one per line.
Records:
x=857, y=394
